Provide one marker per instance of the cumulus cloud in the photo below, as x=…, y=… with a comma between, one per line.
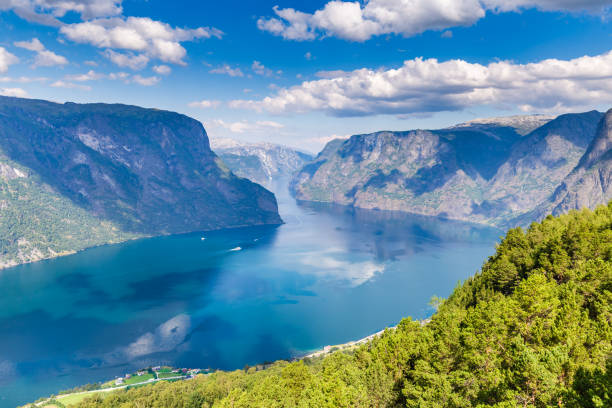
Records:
x=23, y=79
x=6, y=59
x=204, y=104
x=139, y=34
x=359, y=21
x=225, y=69
x=90, y=75
x=127, y=60
x=162, y=69
x=44, y=57
x=16, y=92
x=246, y=126
x=70, y=85
x=48, y=11
x=260, y=69
x=145, y=81
x=428, y=85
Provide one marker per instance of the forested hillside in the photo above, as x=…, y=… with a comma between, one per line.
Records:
x=532, y=329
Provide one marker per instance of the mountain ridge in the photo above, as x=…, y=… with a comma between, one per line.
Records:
x=477, y=171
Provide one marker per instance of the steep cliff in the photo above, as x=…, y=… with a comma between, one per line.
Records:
x=590, y=183
x=114, y=172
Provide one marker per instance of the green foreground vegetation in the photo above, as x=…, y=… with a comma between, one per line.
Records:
x=37, y=222
x=532, y=329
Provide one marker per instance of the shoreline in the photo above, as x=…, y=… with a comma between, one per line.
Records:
x=343, y=346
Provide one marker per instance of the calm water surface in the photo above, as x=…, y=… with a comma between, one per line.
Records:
x=329, y=275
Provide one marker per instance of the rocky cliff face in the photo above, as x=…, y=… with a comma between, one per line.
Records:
x=127, y=171
x=260, y=162
x=487, y=171
x=590, y=182
x=539, y=162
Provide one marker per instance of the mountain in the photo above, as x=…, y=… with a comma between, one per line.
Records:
x=73, y=176
x=531, y=329
x=259, y=162
x=538, y=163
x=590, y=182
x=486, y=171
x=523, y=124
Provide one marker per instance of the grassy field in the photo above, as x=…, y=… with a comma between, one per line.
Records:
x=168, y=374
x=138, y=379
x=73, y=399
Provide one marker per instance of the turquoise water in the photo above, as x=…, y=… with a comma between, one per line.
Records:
x=330, y=274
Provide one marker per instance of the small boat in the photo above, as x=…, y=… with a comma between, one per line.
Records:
x=236, y=249
x=203, y=238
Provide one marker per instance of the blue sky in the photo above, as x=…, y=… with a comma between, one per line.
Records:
x=300, y=72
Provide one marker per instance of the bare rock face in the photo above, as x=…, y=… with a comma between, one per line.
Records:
x=487, y=171
x=126, y=170
x=590, y=183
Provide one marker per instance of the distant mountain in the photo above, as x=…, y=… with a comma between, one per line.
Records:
x=260, y=162
x=486, y=171
x=73, y=176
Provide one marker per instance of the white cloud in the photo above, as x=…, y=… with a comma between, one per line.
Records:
x=269, y=124
x=91, y=63
x=119, y=76
x=127, y=60
x=16, y=92
x=426, y=86
x=308, y=56
x=145, y=81
x=246, y=126
x=162, y=69
x=70, y=85
x=6, y=59
x=260, y=69
x=153, y=38
x=359, y=21
x=48, y=11
x=323, y=140
x=44, y=57
x=204, y=104
x=227, y=70
x=88, y=76
x=92, y=75
x=23, y=79
x=447, y=34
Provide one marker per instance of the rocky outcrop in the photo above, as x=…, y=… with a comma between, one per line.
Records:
x=125, y=170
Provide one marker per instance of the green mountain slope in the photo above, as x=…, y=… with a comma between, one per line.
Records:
x=532, y=329
x=73, y=176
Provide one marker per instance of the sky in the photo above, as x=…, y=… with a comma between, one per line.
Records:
x=300, y=73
